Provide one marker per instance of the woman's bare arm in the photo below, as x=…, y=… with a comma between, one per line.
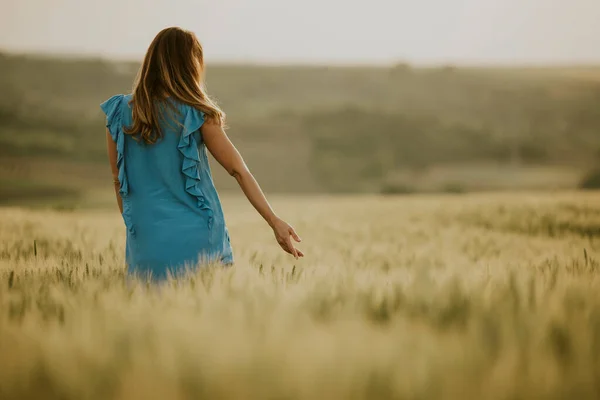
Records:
x=227, y=155
x=111, y=147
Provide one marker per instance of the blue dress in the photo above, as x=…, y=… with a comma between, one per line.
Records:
x=171, y=208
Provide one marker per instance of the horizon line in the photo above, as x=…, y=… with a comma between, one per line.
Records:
x=82, y=56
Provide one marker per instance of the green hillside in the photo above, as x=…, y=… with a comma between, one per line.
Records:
x=323, y=129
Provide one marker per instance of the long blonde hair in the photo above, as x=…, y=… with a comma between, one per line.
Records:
x=173, y=67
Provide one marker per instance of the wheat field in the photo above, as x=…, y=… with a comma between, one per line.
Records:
x=488, y=296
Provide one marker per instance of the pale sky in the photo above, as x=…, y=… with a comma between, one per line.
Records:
x=315, y=31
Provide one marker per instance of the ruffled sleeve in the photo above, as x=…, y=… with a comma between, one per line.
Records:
x=112, y=108
x=188, y=147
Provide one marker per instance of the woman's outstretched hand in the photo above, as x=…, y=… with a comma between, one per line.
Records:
x=284, y=234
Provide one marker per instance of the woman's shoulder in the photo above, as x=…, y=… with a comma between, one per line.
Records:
x=114, y=103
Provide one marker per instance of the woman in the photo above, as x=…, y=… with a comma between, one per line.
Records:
x=157, y=139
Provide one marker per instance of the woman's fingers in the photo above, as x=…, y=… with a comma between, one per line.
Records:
x=297, y=239
x=284, y=238
x=291, y=247
x=288, y=247
x=295, y=235
x=285, y=245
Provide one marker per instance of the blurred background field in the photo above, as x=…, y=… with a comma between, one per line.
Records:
x=319, y=129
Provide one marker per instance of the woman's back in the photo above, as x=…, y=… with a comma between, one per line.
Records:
x=171, y=208
x=157, y=151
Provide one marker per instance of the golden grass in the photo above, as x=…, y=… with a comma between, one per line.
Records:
x=428, y=297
